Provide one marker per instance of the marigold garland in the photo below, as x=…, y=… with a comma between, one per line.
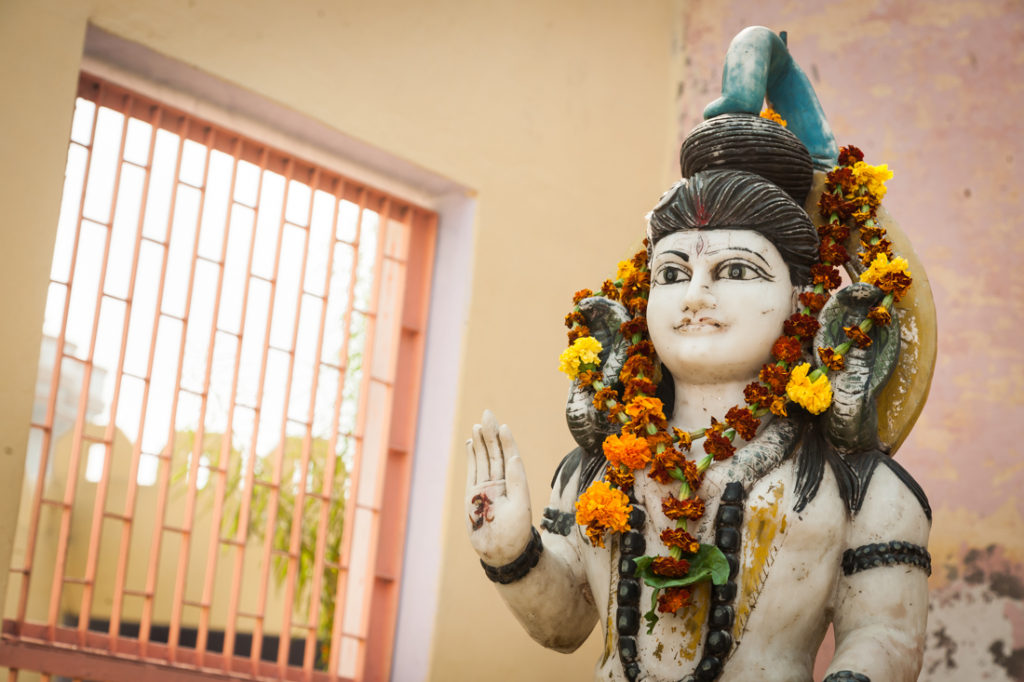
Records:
x=853, y=192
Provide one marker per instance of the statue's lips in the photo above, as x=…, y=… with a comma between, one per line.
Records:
x=703, y=325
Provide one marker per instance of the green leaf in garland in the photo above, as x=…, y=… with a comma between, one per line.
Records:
x=707, y=563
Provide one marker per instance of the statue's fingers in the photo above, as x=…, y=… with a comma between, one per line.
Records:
x=516, y=487
x=483, y=467
x=496, y=458
x=470, y=465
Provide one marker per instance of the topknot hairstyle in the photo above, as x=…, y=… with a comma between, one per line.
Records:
x=753, y=144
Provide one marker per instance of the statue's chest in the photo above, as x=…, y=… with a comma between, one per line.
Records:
x=751, y=531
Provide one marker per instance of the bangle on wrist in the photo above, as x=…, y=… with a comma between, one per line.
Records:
x=518, y=567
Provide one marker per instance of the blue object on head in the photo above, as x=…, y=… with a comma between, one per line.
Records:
x=758, y=66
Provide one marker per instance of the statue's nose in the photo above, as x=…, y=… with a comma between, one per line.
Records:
x=698, y=293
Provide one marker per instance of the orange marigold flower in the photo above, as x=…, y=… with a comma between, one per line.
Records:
x=743, y=420
x=578, y=332
x=682, y=437
x=636, y=305
x=801, y=325
x=672, y=599
x=635, y=366
x=646, y=410
x=833, y=253
x=677, y=537
x=659, y=472
x=835, y=203
x=643, y=347
x=580, y=295
x=772, y=115
x=634, y=326
x=787, y=349
x=850, y=155
x=756, y=393
x=814, y=302
x=834, y=361
x=659, y=437
x=895, y=283
x=871, y=251
x=587, y=378
x=775, y=378
x=690, y=508
x=575, y=317
x=610, y=291
x=718, y=446
x=602, y=508
x=880, y=315
x=866, y=210
x=620, y=478
x=857, y=335
x=694, y=477
x=778, y=406
x=628, y=450
x=840, y=178
x=636, y=284
x=869, y=232
x=602, y=397
x=639, y=387
x=668, y=567
x=835, y=231
x=826, y=275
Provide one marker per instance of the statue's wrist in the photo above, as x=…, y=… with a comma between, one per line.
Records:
x=517, y=568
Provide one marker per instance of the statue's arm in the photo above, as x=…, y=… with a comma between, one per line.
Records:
x=882, y=598
x=543, y=584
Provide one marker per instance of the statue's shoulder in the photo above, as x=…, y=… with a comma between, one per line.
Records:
x=883, y=480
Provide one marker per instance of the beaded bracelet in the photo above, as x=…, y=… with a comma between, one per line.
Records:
x=518, y=567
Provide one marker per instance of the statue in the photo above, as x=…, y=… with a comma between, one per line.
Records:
x=733, y=492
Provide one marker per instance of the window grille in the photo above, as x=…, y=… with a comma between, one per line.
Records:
x=219, y=459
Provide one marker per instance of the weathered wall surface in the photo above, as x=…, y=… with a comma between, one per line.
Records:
x=935, y=91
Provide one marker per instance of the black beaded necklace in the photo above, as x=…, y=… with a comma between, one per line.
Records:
x=719, y=641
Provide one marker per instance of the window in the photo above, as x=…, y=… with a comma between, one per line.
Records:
x=228, y=377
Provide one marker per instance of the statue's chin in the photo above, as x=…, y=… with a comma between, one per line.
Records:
x=709, y=369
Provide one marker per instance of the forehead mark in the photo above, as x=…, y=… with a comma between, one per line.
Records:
x=698, y=248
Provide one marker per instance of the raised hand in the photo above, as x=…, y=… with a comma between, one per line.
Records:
x=497, y=498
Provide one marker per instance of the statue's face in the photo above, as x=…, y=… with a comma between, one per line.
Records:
x=717, y=303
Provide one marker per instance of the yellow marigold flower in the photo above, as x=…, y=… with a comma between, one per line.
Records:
x=872, y=177
x=814, y=397
x=602, y=508
x=773, y=115
x=583, y=351
x=626, y=270
x=627, y=449
x=882, y=266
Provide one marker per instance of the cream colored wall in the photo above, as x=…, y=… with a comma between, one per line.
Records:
x=557, y=114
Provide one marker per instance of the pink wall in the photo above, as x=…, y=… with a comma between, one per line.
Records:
x=935, y=90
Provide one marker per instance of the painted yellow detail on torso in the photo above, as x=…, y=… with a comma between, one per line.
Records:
x=763, y=533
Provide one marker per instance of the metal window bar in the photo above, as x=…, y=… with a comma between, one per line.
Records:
x=200, y=401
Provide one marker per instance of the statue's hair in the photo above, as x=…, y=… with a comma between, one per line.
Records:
x=732, y=199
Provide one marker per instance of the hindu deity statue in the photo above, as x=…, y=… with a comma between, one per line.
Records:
x=734, y=492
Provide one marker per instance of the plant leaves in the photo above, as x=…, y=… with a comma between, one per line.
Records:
x=707, y=563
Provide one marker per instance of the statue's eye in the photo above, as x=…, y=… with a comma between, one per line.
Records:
x=670, y=274
x=740, y=270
